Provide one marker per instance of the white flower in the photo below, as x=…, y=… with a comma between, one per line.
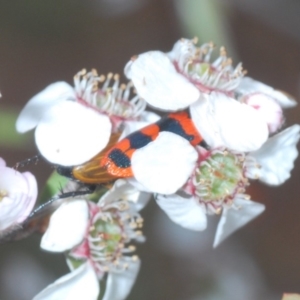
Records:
x=175, y=80
x=249, y=86
x=96, y=239
x=268, y=108
x=75, y=124
x=165, y=164
x=185, y=77
x=224, y=122
x=274, y=162
x=82, y=283
x=219, y=182
x=18, y=193
x=266, y=100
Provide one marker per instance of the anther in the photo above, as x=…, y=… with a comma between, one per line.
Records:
x=218, y=211
x=116, y=262
x=133, y=58
x=105, y=268
x=139, y=220
x=195, y=40
x=132, y=248
x=223, y=51
x=133, y=225
x=82, y=72
x=135, y=258
x=94, y=72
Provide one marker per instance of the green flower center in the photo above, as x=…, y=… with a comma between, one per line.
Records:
x=220, y=177
x=199, y=68
x=108, y=236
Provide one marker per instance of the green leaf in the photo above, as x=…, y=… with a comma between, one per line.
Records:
x=8, y=136
x=53, y=185
x=207, y=20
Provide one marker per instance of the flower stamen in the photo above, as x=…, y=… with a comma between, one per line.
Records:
x=196, y=65
x=218, y=179
x=112, y=98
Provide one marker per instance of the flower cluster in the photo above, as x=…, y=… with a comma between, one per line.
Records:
x=221, y=130
x=95, y=238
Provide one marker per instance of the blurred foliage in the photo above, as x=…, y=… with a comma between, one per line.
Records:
x=206, y=19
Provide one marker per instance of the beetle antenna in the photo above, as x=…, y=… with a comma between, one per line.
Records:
x=21, y=164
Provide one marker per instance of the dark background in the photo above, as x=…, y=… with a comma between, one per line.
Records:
x=45, y=41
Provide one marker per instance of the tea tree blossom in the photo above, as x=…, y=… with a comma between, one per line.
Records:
x=96, y=240
x=249, y=87
x=220, y=179
x=18, y=193
x=186, y=77
x=222, y=130
x=188, y=70
x=224, y=122
x=268, y=101
x=86, y=114
x=164, y=165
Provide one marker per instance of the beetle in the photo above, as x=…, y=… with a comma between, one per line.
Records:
x=114, y=161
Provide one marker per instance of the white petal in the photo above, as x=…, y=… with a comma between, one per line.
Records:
x=38, y=105
x=2, y=162
x=164, y=165
x=19, y=196
x=185, y=212
x=71, y=134
x=249, y=86
x=232, y=219
x=182, y=48
x=122, y=189
x=67, y=227
x=81, y=283
x=119, y=285
x=31, y=194
x=157, y=81
x=223, y=121
x=268, y=108
x=276, y=157
x=143, y=200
